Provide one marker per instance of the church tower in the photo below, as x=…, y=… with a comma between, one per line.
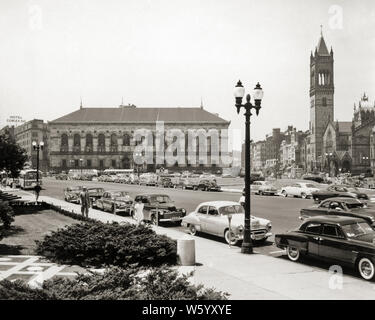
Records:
x=321, y=96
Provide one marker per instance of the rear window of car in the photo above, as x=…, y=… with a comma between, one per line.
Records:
x=231, y=209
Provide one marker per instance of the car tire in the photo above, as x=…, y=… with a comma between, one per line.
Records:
x=192, y=230
x=293, y=253
x=284, y=194
x=303, y=195
x=366, y=268
x=233, y=241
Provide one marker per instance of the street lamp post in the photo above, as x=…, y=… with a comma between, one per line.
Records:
x=239, y=92
x=328, y=155
x=37, y=147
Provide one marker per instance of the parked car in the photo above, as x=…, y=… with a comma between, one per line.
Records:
x=212, y=218
x=95, y=194
x=208, y=185
x=342, y=240
x=72, y=194
x=299, y=189
x=148, y=179
x=263, y=188
x=339, y=191
x=341, y=206
x=189, y=182
x=160, y=208
x=314, y=178
x=61, y=176
x=115, y=201
x=165, y=182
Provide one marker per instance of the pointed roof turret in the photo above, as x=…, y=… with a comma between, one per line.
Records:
x=322, y=47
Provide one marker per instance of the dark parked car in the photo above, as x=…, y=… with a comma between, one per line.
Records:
x=165, y=182
x=160, y=208
x=341, y=240
x=343, y=206
x=317, y=179
x=208, y=185
x=95, y=194
x=115, y=201
x=337, y=190
x=71, y=194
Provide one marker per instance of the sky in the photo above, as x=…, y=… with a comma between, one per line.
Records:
x=175, y=53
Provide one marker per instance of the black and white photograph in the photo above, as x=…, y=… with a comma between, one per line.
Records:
x=167, y=152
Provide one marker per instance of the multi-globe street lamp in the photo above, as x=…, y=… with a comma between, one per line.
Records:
x=137, y=157
x=239, y=92
x=37, y=146
x=328, y=156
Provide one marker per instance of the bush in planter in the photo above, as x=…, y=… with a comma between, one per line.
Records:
x=102, y=244
x=133, y=283
x=6, y=215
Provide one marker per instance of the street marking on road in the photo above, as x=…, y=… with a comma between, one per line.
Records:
x=18, y=267
x=41, y=277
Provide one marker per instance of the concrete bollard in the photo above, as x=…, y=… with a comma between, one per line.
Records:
x=186, y=251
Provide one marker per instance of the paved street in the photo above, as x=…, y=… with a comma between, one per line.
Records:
x=283, y=212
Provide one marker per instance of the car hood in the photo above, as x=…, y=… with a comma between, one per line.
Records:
x=167, y=205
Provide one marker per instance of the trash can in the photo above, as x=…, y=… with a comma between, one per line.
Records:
x=186, y=251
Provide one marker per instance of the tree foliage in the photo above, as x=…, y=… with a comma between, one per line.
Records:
x=12, y=156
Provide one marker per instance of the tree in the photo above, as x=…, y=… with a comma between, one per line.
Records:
x=12, y=156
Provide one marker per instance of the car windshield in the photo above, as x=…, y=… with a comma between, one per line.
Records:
x=120, y=194
x=231, y=209
x=161, y=199
x=357, y=229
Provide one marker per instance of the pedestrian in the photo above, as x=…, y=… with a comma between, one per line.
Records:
x=138, y=208
x=37, y=189
x=85, y=202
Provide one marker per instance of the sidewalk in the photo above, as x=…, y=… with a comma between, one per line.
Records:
x=250, y=277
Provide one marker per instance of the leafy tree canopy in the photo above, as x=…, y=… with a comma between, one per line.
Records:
x=12, y=156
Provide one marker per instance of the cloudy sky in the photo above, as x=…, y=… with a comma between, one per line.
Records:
x=168, y=53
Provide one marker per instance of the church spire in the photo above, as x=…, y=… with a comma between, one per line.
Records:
x=201, y=103
x=80, y=106
x=322, y=47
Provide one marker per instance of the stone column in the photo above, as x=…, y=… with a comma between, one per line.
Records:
x=95, y=143
x=70, y=143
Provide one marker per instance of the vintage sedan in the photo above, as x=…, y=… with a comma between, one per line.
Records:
x=341, y=206
x=115, y=201
x=165, y=182
x=212, y=218
x=299, y=189
x=208, y=185
x=160, y=208
x=339, y=191
x=263, y=188
x=72, y=194
x=342, y=240
x=95, y=194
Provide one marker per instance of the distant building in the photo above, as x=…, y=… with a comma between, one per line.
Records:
x=259, y=159
x=34, y=130
x=104, y=137
x=321, y=100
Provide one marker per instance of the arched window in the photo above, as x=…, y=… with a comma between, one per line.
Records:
x=101, y=142
x=64, y=143
x=89, y=142
x=113, y=145
x=76, y=142
x=126, y=140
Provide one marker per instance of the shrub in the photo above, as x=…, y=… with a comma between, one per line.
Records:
x=6, y=214
x=101, y=244
x=133, y=283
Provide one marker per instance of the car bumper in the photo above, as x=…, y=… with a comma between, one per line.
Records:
x=173, y=219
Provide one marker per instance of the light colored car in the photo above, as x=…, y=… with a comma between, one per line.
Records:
x=263, y=188
x=212, y=218
x=115, y=201
x=299, y=189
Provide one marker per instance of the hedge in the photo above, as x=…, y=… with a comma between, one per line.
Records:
x=100, y=244
x=134, y=283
